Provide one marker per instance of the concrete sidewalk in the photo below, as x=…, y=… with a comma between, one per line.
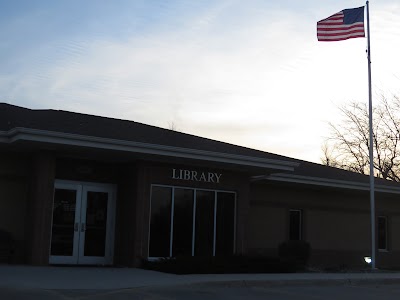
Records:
x=96, y=278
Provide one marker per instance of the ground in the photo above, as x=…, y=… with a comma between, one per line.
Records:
x=213, y=291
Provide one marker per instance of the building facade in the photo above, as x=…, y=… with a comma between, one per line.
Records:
x=86, y=190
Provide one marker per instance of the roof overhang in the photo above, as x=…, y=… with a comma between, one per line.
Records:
x=334, y=183
x=59, y=138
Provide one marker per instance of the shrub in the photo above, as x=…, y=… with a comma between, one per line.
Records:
x=221, y=265
x=7, y=246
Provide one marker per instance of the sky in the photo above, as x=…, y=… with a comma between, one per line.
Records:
x=250, y=73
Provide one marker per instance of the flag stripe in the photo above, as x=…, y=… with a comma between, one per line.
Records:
x=336, y=16
x=331, y=20
x=340, y=27
x=343, y=25
x=339, y=37
x=331, y=36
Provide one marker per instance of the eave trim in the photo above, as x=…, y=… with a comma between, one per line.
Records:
x=319, y=181
x=52, y=137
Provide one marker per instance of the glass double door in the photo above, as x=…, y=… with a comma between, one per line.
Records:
x=83, y=223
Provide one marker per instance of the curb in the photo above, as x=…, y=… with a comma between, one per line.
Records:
x=298, y=282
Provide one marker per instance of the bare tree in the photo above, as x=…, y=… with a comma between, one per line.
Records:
x=328, y=158
x=348, y=145
x=172, y=126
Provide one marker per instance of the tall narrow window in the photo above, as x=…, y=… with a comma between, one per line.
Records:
x=225, y=231
x=204, y=231
x=295, y=225
x=160, y=225
x=382, y=233
x=183, y=222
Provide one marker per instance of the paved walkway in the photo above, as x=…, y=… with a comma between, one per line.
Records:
x=94, y=278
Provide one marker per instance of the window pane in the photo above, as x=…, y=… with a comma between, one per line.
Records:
x=204, y=223
x=183, y=222
x=62, y=237
x=382, y=233
x=225, y=224
x=295, y=225
x=160, y=224
x=96, y=224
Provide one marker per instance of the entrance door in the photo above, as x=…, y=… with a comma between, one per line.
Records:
x=83, y=223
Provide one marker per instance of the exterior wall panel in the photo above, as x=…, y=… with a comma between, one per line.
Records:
x=338, y=230
x=13, y=202
x=40, y=208
x=394, y=233
x=266, y=229
x=336, y=223
x=125, y=228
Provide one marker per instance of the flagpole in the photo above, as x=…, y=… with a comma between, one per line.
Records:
x=371, y=151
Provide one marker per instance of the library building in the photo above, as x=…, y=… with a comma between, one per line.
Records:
x=78, y=189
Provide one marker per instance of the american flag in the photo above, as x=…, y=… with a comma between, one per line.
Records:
x=346, y=24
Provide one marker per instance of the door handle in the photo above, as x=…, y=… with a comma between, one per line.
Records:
x=83, y=227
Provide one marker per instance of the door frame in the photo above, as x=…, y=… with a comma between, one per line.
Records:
x=82, y=187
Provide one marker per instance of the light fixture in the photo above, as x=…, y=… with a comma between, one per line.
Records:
x=367, y=259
